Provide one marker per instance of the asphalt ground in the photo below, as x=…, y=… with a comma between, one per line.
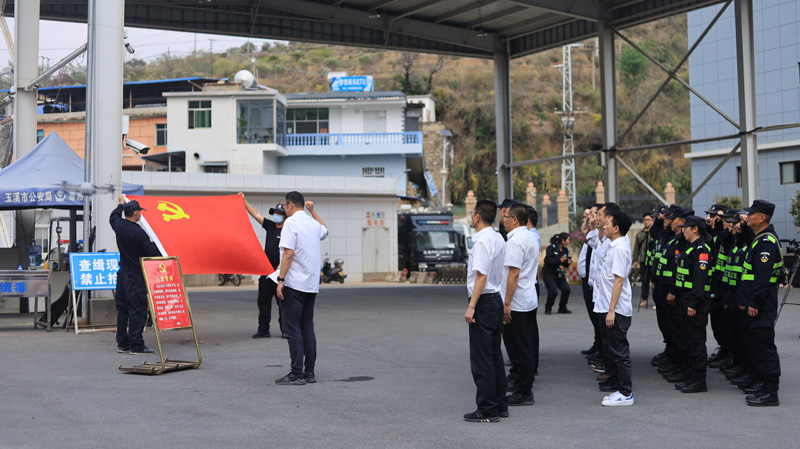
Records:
x=393, y=371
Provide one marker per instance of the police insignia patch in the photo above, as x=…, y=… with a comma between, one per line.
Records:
x=764, y=257
x=703, y=265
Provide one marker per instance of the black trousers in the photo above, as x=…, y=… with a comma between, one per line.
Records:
x=587, y=299
x=645, y=270
x=554, y=284
x=733, y=327
x=660, y=301
x=717, y=318
x=536, y=348
x=521, y=337
x=298, y=317
x=746, y=341
x=694, y=331
x=766, y=362
x=266, y=291
x=617, y=353
x=486, y=356
x=132, y=310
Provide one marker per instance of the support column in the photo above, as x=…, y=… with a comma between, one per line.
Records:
x=608, y=94
x=747, y=98
x=106, y=117
x=26, y=68
x=502, y=112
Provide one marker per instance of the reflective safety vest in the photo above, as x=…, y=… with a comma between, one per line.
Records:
x=662, y=269
x=683, y=279
x=733, y=268
x=722, y=260
x=747, y=268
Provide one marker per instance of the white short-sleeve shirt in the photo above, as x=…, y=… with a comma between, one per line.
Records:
x=486, y=257
x=302, y=234
x=616, y=262
x=522, y=251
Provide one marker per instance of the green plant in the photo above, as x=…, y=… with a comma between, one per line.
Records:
x=795, y=209
x=733, y=201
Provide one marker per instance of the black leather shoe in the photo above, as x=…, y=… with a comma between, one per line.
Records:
x=591, y=350
x=677, y=377
x=720, y=362
x=667, y=368
x=763, y=400
x=566, y=311
x=503, y=413
x=732, y=371
x=741, y=381
x=695, y=386
x=548, y=311
x=261, y=335
x=477, y=416
x=754, y=388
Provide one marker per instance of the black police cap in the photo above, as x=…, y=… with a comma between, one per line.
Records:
x=277, y=209
x=716, y=209
x=694, y=220
x=763, y=206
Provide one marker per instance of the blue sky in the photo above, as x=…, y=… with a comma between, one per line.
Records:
x=58, y=39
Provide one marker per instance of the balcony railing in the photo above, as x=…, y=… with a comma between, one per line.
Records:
x=315, y=140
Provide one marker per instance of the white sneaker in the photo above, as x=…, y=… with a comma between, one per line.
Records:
x=613, y=395
x=618, y=400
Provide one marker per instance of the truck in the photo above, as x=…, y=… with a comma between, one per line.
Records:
x=428, y=242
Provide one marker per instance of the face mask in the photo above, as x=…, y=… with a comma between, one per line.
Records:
x=277, y=218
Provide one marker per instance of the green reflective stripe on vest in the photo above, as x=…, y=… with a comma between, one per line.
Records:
x=748, y=277
x=687, y=285
x=747, y=266
x=708, y=288
x=722, y=257
x=682, y=270
x=734, y=268
x=666, y=274
x=777, y=265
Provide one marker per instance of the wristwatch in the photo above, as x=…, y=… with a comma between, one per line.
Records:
x=280, y=279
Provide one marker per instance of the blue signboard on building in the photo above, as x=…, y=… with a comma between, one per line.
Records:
x=352, y=84
x=431, y=185
x=94, y=271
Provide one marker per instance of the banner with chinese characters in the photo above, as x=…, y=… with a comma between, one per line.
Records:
x=168, y=301
x=94, y=271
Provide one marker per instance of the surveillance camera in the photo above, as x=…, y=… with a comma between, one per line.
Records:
x=129, y=47
x=137, y=147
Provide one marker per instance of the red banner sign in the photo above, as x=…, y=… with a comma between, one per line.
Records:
x=164, y=283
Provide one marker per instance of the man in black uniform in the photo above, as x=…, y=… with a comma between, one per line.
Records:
x=661, y=234
x=721, y=241
x=266, y=287
x=691, y=280
x=759, y=289
x=131, y=298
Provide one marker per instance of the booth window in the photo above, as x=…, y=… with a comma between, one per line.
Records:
x=255, y=121
x=39, y=135
x=200, y=114
x=373, y=172
x=790, y=172
x=307, y=121
x=161, y=134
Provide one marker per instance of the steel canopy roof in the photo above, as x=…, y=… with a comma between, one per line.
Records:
x=475, y=28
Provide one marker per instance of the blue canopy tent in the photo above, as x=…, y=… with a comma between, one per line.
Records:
x=34, y=180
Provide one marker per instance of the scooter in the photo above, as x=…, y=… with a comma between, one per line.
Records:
x=335, y=274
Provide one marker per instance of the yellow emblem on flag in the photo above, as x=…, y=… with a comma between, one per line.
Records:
x=162, y=268
x=175, y=211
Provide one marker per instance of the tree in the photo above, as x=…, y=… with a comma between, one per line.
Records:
x=438, y=65
x=407, y=60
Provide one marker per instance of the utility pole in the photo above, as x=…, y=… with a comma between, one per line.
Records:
x=567, y=128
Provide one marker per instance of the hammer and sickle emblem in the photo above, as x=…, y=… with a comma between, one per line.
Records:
x=175, y=211
x=162, y=268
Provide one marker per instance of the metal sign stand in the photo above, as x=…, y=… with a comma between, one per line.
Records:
x=157, y=269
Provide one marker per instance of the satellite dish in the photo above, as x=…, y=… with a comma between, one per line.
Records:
x=246, y=79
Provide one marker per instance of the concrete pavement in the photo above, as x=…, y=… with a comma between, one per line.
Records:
x=393, y=371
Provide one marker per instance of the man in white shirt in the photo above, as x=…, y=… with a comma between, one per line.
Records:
x=485, y=316
x=614, y=302
x=584, y=267
x=533, y=221
x=298, y=285
x=520, y=332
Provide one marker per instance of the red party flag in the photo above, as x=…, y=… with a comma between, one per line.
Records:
x=210, y=234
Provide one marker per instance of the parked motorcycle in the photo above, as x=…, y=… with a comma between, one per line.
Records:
x=335, y=274
x=235, y=279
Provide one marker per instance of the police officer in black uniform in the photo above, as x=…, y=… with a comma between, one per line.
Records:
x=721, y=240
x=759, y=289
x=556, y=256
x=729, y=290
x=660, y=233
x=691, y=280
x=266, y=287
x=131, y=296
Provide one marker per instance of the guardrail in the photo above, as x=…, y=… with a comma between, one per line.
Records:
x=405, y=138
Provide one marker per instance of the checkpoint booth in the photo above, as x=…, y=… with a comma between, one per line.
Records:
x=36, y=181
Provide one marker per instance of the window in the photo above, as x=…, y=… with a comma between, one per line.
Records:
x=254, y=121
x=373, y=172
x=374, y=121
x=215, y=167
x=39, y=135
x=307, y=121
x=200, y=114
x=161, y=134
x=739, y=177
x=790, y=172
